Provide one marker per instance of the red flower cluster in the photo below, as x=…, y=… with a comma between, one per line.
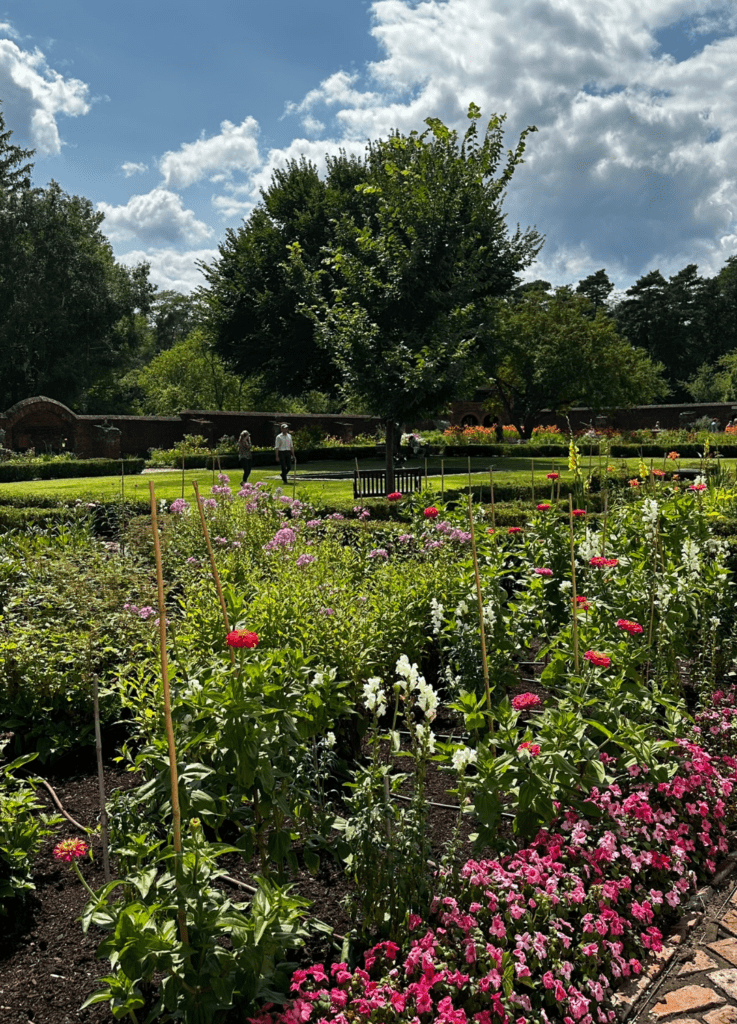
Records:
x=598, y=659
x=431, y=513
x=629, y=626
x=697, y=487
x=543, y=507
x=544, y=572
x=533, y=749
x=583, y=602
x=490, y=530
x=70, y=849
x=553, y=476
x=578, y=512
x=514, y=529
x=524, y=701
x=394, y=496
x=601, y=563
x=240, y=638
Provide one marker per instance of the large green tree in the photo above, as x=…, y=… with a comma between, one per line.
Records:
x=68, y=311
x=252, y=307
x=414, y=268
x=547, y=352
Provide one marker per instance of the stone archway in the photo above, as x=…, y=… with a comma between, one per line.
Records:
x=41, y=423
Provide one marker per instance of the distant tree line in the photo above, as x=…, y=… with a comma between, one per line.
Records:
x=390, y=285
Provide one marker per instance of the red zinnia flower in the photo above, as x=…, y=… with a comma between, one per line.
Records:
x=533, y=749
x=431, y=513
x=490, y=530
x=583, y=602
x=544, y=507
x=240, y=638
x=70, y=849
x=514, y=529
x=697, y=487
x=553, y=476
x=629, y=626
x=598, y=659
x=578, y=512
x=544, y=572
x=394, y=496
x=600, y=563
x=523, y=701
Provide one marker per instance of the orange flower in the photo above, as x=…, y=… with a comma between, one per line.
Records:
x=673, y=455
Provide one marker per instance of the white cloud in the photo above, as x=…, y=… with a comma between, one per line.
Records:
x=6, y=29
x=170, y=268
x=34, y=94
x=129, y=168
x=234, y=149
x=155, y=217
x=312, y=124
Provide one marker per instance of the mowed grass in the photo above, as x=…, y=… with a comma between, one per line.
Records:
x=170, y=484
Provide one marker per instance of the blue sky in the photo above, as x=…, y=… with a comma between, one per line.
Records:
x=170, y=116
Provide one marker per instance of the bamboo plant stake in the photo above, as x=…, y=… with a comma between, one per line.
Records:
x=175, y=811
x=101, y=780
x=442, y=478
x=122, y=480
x=427, y=482
x=469, y=474
x=573, y=581
x=491, y=492
x=603, y=528
x=182, y=474
x=214, y=567
x=532, y=475
x=482, y=631
x=294, y=475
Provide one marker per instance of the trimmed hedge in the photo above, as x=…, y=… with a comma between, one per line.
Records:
x=71, y=468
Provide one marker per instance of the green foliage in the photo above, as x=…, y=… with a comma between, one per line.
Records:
x=23, y=827
x=154, y=970
x=548, y=353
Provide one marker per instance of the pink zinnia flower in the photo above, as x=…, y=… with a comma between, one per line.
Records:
x=240, y=638
x=601, y=563
x=544, y=572
x=544, y=507
x=553, y=476
x=70, y=849
x=431, y=512
x=697, y=487
x=514, y=529
x=523, y=701
x=533, y=749
x=629, y=626
x=578, y=512
x=394, y=496
x=598, y=659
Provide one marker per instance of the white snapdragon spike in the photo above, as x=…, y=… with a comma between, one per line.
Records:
x=690, y=555
x=427, y=698
x=564, y=586
x=649, y=512
x=490, y=614
x=425, y=736
x=409, y=673
x=663, y=596
x=461, y=609
x=462, y=758
x=373, y=696
x=330, y=739
x=436, y=615
x=588, y=546
x=453, y=680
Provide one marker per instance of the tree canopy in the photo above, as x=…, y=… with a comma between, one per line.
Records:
x=547, y=352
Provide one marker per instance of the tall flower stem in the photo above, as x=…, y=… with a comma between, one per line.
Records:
x=491, y=491
x=532, y=478
x=573, y=582
x=482, y=631
x=175, y=812
x=603, y=527
x=213, y=566
x=100, y=780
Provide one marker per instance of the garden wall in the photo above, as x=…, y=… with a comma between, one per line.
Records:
x=47, y=425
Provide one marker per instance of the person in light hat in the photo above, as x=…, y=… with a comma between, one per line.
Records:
x=284, y=451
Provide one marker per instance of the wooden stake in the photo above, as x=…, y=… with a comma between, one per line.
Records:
x=573, y=582
x=182, y=475
x=175, y=811
x=469, y=474
x=294, y=475
x=213, y=566
x=482, y=631
x=101, y=780
x=493, y=507
x=442, y=478
x=532, y=474
x=122, y=480
x=603, y=529
x=427, y=484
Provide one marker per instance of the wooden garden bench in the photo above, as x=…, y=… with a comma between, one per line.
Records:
x=371, y=483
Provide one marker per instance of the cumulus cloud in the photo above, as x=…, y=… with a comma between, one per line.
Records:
x=170, y=268
x=33, y=96
x=235, y=148
x=633, y=160
x=129, y=168
x=155, y=217
x=6, y=29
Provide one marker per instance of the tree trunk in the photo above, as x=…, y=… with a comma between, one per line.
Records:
x=390, y=456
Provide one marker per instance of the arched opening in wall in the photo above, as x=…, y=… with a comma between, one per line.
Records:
x=487, y=420
x=469, y=420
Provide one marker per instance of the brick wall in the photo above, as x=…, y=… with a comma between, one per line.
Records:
x=639, y=417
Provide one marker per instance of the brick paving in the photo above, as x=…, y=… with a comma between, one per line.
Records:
x=694, y=979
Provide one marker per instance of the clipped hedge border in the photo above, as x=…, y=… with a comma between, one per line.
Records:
x=71, y=468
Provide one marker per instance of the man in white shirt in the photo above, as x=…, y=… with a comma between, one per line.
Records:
x=284, y=451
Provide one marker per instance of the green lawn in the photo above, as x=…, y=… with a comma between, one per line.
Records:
x=169, y=483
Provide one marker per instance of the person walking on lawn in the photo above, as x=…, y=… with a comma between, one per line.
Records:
x=245, y=454
x=284, y=451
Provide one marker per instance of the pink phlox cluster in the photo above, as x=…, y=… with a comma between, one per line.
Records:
x=222, y=490
x=283, y=538
x=580, y=905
